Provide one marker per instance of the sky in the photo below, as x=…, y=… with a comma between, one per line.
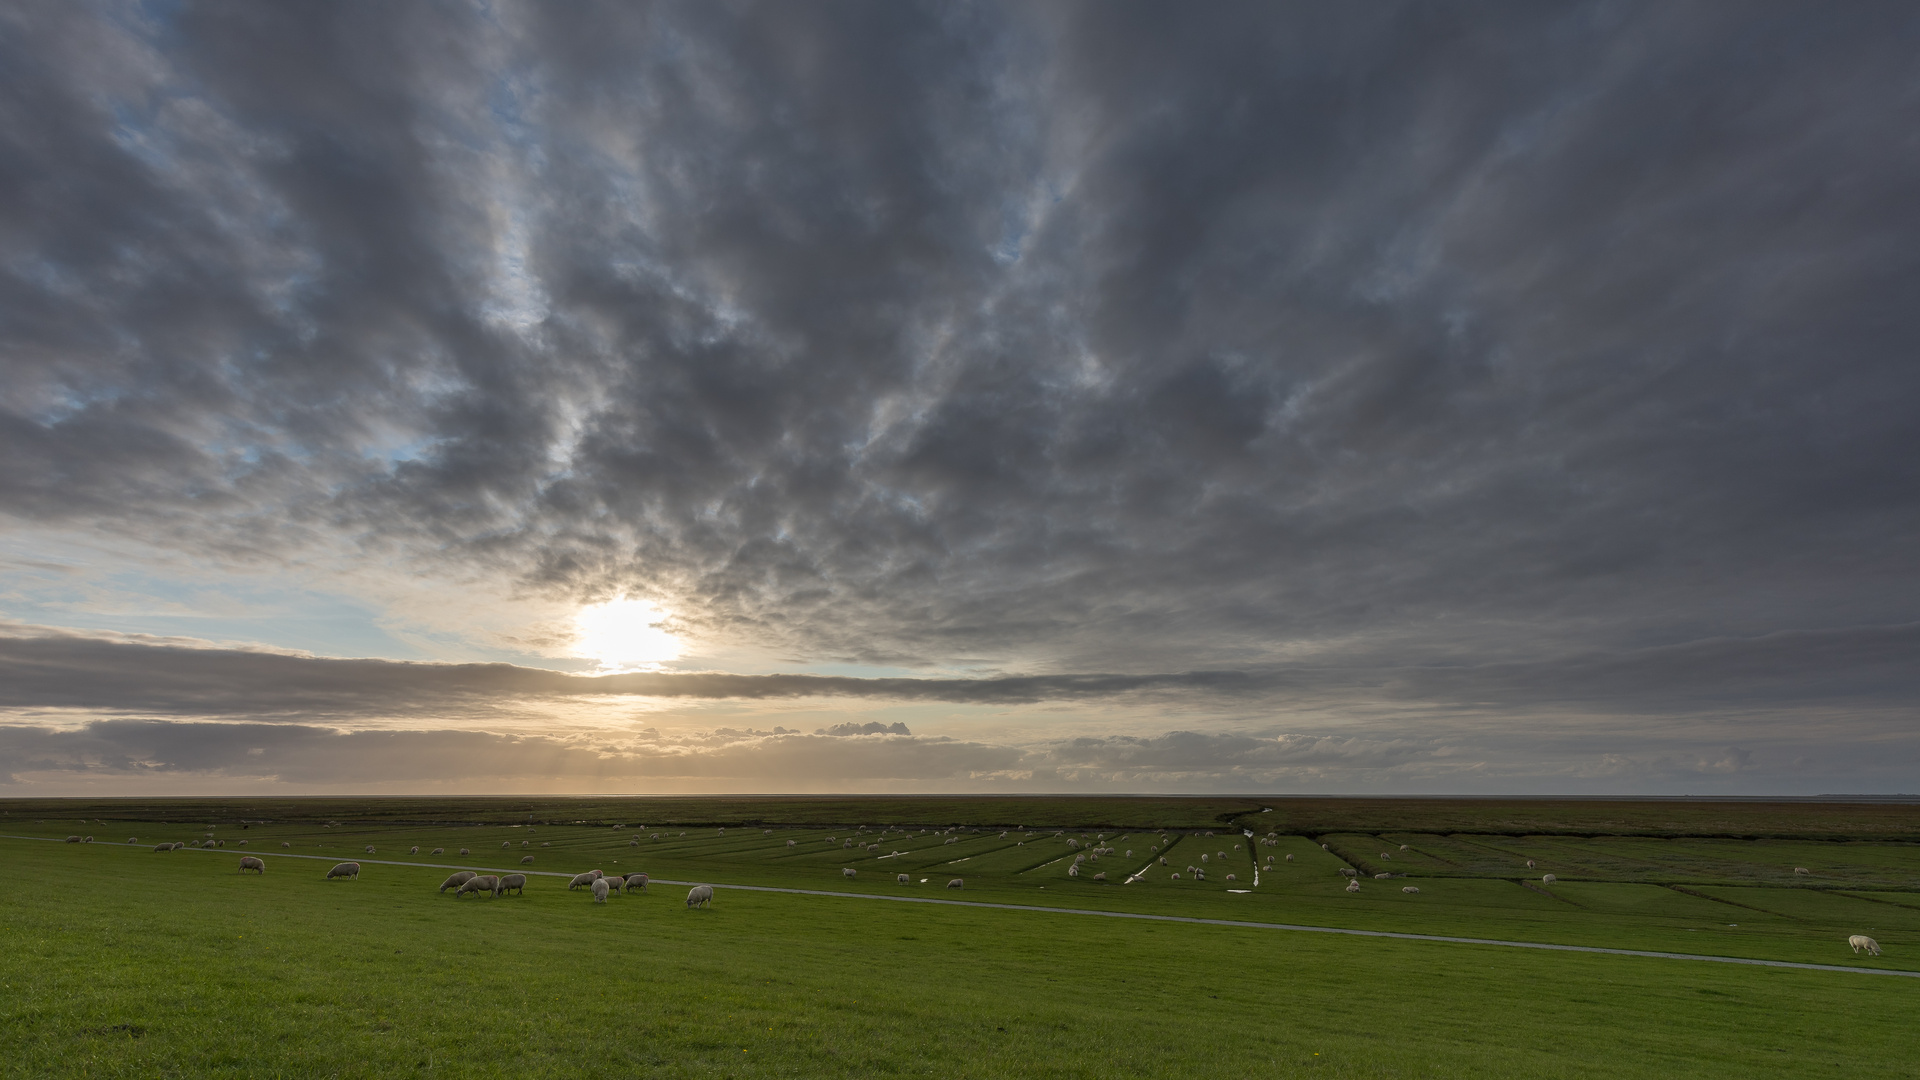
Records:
x=1390, y=398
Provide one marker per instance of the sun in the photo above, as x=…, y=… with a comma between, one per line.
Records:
x=623, y=635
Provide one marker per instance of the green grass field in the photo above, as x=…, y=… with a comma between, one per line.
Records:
x=122, y=961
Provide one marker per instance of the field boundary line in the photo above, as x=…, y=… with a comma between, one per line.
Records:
x=1190, y=919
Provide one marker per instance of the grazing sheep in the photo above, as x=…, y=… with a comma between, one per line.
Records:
x=1324, y=847
x=483, y=883
x=1199, y=875
x=902, y=879
x=216, y=843
x=369, y=849
x=1403, y=847
x=525, y=859
x=1862, y=941
x=636, y=881
x=632, y=842
x=846, y=872
x=464, y=851
x=581, y=879
x=529, y=843
x=549, y=843
x=438, y=851
x=73, y=839
x=1348, y=871
x=596, y=873
x=613, y=883
x=349, y=870
x=241, y=843
x=1410, y=888
x=252, y=863
x=700, y=896
x=133, y=839
x=1529, y=864
x=1547, y=879
x=1175, y=876
x=1797, y=869
x=1074, y=870
x=1353, y=886
x=506, y=843
x=958, y=883
x=1382, y=877
x=1230, y=877
x=286, y=844
x=163, y=847
x=1289, y=858
x=790, y=843
x=1386, y=856
x=458, y=880
x=1203, y=857
x=414, y=850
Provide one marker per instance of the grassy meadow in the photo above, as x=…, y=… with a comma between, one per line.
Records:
x=121, y=961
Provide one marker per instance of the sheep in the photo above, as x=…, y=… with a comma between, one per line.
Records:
x=369, y=849
x=636, y=881
x=1529, y=864
x=240, y=843
x=1203, y=857
x=1547, y=879
x=438, y=851
x=1230, y=877
x=1074, y=870
x=631, y=842
x=133, y=839
x=791, y=843
x=414, y=850
x=285, y=844
x=525, y=860
x=581, y=879
x=960, y=883
x=597, y=874
x=1289, y=858
x=1348, y=871
x=700, y=896
x=1801, y=870
x=549, y=843
x=529, y=843
x=613, y=883
x=902, y=879
x=252, y=863
x=464, y=851
x=458, y=880
x=216, y=843
x=1862, y=941
x=846, y=872
x=1382, y=877
x=1353, y=886
x=73, y=839
x=1324, y=847
x=483, y=883
x=1199, y=875
x=1386, y=856
x=88, y=840
x=348, y=870
x=1409, y=888
x=506, y=843
x=1175, y=876
x=163, y=847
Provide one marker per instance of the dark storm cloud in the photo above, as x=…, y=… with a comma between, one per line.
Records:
x=1091, y=337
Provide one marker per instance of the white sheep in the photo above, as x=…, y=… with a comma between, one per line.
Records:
x=1348, y=871
x=1862, y=941
x=1324, y=847
x=902, y=878
x=285, y=844
x=252, y=863
x=241, y=843
x=632, y=842
x=133, y=839
x=1530, y=864
x=525, y=860
x=1403, y=847
x=1175, y=876
x=1410, y=888
x=1353, y=886
x=163, y=847
x=1801, y=870
x=349, y=870
x=700, y=896
x=484, y=883
x=636, y=881
x=414, y=850
x=440, y=851
x=597, y=874
x=369, y=849
x=581, y=879
x=1074, y=870
x=1289, y=858
x=1386, y=856
x=959, y=883
x=1382, y=877
x=614, y=883
x=516, y=882
x=506, y=843
x=73, y=839
x=846, y=872
x=1547, y=879
x=1230, y=877
x=458, y=880
x=791, y=843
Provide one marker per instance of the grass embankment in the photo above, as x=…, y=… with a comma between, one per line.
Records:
x=119, y=961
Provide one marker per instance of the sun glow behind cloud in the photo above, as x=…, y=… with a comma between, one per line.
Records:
x=624, y=635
